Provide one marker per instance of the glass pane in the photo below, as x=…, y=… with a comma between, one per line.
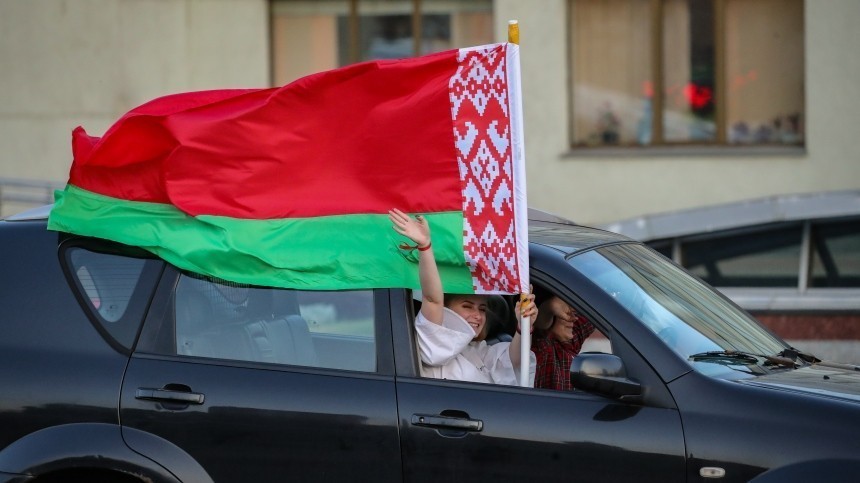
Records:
x=107, y=280
x=341, y=324
x=611, y=72
x=758, y=259
x=836, y=259
x=662, y=247
x=310, y=36
x=471, y=21
x=386, y=29
x=687, y=315
x=688, y=56
x=305, y=37
x=764, y=71
x=226, y=320
x=115, y=288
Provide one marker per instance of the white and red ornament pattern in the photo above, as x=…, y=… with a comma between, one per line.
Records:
x=482, y=130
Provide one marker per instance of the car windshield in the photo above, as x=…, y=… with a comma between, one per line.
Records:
x=690, y=317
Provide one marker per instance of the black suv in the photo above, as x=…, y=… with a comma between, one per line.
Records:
x=116, y=366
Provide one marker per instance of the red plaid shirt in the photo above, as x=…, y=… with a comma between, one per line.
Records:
x=554, y=356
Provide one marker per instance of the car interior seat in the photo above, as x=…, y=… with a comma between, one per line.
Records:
x=277, y=331
x=212, y=320
x=193, y=317
x=501, y=319
x=291, y=340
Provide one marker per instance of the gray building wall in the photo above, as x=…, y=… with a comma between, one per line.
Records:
x=85, y=62
x=65, y=63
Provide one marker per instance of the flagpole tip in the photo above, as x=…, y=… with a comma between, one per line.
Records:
x=513, y=32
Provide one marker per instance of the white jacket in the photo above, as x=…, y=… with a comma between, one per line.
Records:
x=448, y=352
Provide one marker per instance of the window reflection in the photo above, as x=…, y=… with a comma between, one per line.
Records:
x=231, y=321
x=392, y=36
x=612, y=76
x=687, y=71
x=311, y=36
x=836, y=254
x=764, y=71
x=686, y=314
x=769, y=258
x=688, y=50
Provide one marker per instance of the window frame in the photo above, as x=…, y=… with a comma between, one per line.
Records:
x=158, y=336
x=658, y=144
x=139, y=300
x=416, y=9
x=804, y=297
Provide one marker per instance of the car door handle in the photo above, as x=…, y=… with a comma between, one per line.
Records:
x=152, y=394
x=447, y=422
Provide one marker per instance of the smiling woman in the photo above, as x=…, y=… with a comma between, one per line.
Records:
x=451, y=328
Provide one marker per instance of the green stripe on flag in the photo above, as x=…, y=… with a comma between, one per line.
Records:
x=323, y=253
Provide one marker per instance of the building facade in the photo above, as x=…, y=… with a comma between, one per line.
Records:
x=631, y=106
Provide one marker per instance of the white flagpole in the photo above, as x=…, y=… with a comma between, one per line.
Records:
x=525, y=322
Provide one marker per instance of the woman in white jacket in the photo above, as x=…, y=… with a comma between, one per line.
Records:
x=451, y=328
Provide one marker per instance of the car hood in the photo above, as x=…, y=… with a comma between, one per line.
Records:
x=833, y=381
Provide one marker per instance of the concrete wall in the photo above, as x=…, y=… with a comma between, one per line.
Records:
x=65, y=63
x=597, y=189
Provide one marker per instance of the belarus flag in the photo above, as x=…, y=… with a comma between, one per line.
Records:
x=291, y=187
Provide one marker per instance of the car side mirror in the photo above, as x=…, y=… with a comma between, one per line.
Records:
x=603, y=374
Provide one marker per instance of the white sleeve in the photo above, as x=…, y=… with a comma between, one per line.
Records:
x=502, y=370
x=438, y=344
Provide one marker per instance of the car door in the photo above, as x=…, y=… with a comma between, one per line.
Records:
x=264, y=385
x=461, y=431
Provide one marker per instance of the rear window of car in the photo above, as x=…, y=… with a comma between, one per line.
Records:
x=114, y=289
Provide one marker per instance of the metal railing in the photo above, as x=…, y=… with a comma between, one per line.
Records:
x=27, y=191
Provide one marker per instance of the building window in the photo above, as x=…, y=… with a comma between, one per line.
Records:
x=660, y=72
x=311, y=36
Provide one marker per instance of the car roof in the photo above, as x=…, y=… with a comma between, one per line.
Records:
x=565, y=235
x=40, y=213
x=571, y=238
x=739, y=214
x=544, y=229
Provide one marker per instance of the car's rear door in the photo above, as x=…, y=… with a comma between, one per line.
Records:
x=460, y=431
x=264, y=384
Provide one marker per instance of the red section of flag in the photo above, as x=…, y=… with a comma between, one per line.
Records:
x=351, y=140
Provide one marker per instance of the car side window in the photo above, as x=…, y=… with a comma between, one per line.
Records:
x=836, y=254
x=502, y=323
x=555, y=345
x=224, y=320
x=114, y=288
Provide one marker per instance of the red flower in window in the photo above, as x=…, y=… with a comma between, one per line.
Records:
x=698, y=96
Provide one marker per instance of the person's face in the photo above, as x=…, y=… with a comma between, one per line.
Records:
x=473, y=308
x=562, y=326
